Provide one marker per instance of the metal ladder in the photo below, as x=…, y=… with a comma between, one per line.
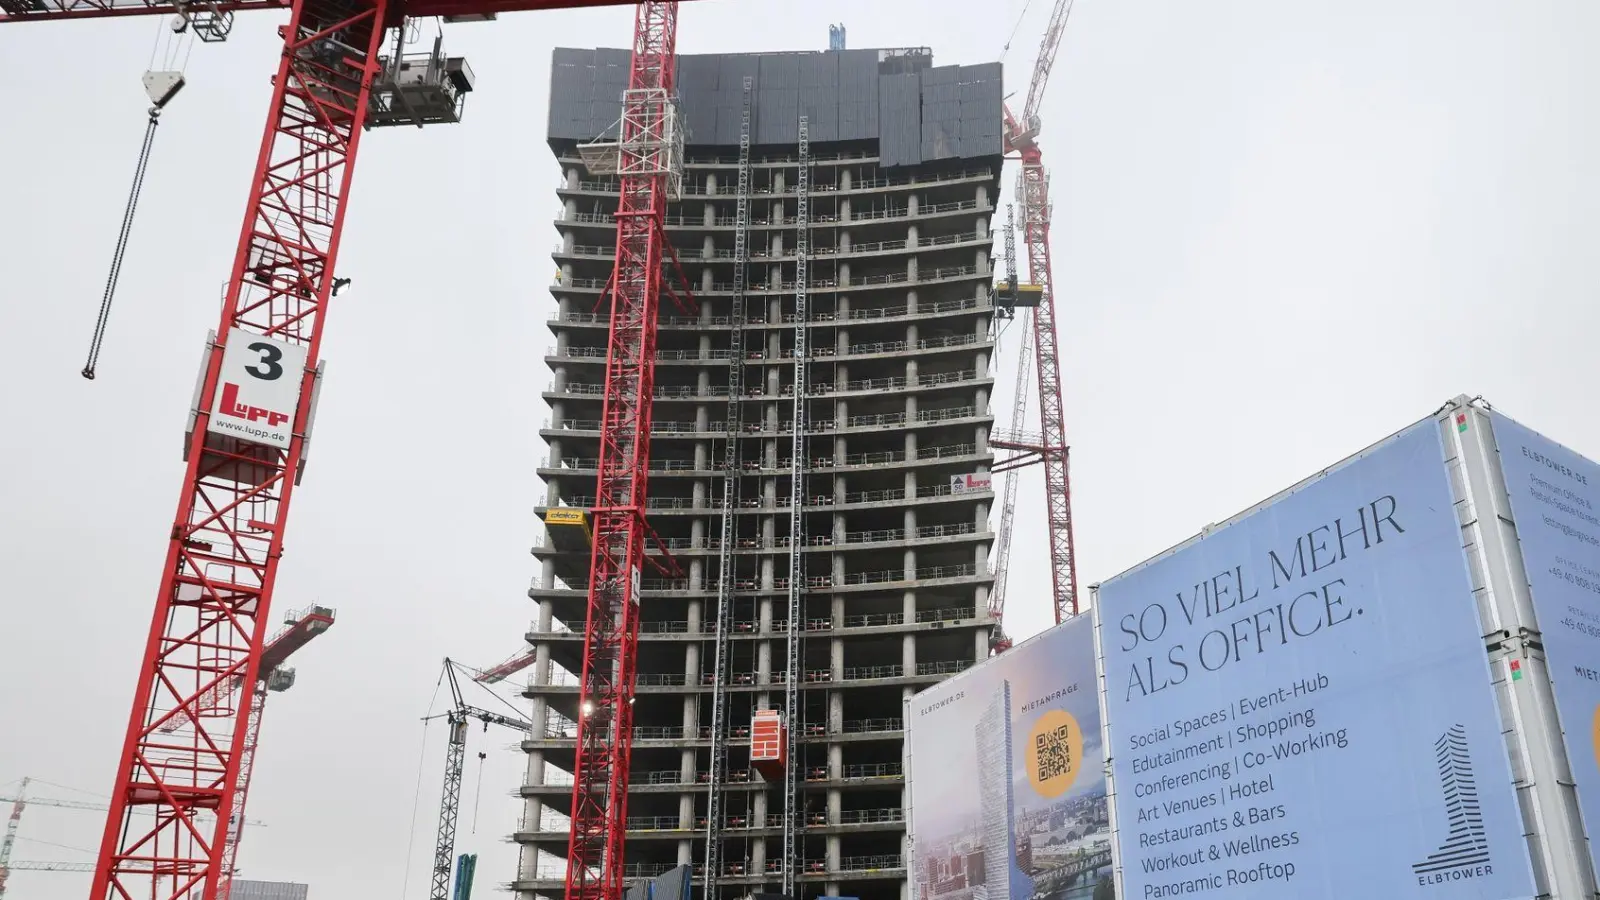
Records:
x=730, y=505
x=793, y=807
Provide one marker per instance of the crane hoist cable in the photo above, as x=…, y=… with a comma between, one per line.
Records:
x=162, y=86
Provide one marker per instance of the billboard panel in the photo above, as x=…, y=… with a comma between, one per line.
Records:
x=1299, y=702
x=1007, y=777
x=1553, y=493
x=258, y=389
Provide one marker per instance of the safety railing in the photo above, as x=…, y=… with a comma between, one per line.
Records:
x=863, y=673
x=882, y=862
x=872, y=726
x=726, y=287
x=943, y=667
x=961, y=570
x=613, y=186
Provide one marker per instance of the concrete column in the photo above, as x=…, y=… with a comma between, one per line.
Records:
x=764, y=648
x=836, y=658
x=758, y=849
x=844, y=179
x=569, y=210
x=573, y=179
x=844, y=274
x=980, y=637
x=912, y=204
x=983, y=196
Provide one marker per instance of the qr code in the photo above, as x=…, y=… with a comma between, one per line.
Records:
x=1055, y=757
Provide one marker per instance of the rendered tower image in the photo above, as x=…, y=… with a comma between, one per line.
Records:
x=1003, y=876
x=839, y=203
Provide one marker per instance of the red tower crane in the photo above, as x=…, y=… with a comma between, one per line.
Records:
x=1049, y=446
x=249, y=428
x=648, y=160
x=298, y=630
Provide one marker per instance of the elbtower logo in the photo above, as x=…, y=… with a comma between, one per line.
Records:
x=1464, y=853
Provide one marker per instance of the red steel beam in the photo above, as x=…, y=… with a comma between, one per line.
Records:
x=211, y=611
x=605, y=721
x=1052, y=418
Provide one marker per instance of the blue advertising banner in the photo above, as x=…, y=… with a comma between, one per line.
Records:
x=1006, y=775
x=1299, y=703
x=1553, y=494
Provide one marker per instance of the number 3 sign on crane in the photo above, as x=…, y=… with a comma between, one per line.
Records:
x=258, y=389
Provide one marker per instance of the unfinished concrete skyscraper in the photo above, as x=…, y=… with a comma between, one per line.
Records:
x=829, y=508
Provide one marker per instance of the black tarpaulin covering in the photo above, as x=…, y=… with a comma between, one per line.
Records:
x=917, y=112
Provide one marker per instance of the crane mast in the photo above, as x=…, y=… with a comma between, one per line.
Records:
x=1033, y=193
x=1047, y=367
x=223, y=550
x=460, y=714
x=649, y=152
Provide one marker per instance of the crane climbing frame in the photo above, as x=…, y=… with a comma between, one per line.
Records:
x=252, y=419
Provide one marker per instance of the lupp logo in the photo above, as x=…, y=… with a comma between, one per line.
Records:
x=1464, y=853
x=232, y=407
x=1055, y=753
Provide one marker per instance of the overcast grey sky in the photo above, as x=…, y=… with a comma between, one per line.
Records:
x=1283, y=230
